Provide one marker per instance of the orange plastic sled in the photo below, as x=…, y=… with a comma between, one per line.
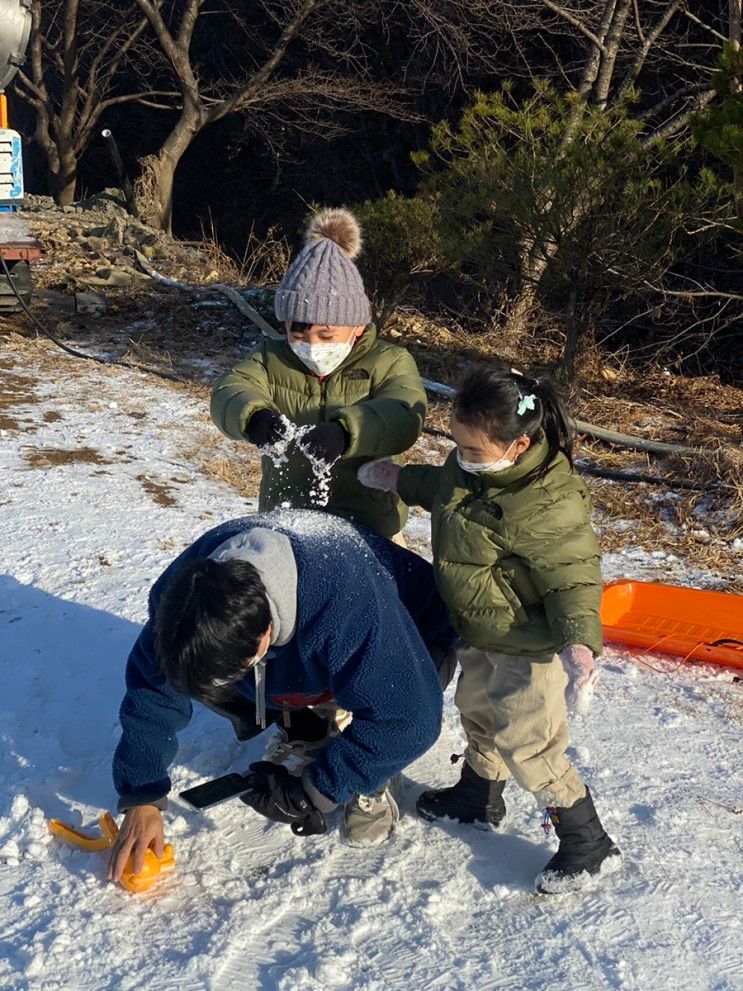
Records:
x=695, y=624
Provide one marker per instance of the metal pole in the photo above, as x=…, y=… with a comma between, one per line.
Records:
x=125, y=185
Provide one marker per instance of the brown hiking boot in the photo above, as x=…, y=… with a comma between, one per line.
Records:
x=369, y=820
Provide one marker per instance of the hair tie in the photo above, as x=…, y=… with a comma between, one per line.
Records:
x=527, y=402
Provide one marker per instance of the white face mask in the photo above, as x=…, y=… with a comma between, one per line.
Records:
x=478, y=467
x=322, y=359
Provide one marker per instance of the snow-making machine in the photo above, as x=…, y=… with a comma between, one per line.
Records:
x=18, y=247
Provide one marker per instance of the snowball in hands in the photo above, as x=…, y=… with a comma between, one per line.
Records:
x=380, y=474
x=578, y=662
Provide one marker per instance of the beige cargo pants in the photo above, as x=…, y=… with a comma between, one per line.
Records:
x=515, y=719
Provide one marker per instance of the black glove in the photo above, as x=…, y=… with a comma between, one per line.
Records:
x=265, y=428
x=280, y=796
x=325, y=442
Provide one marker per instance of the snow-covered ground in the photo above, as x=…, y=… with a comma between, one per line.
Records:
x=250, y=905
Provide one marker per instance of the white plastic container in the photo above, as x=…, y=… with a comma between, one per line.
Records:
x=11, y=168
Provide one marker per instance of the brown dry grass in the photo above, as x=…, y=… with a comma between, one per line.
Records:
x=264, y=261
x=234, y=464
x=159, y=328
x=54, y=457
x=10, y=423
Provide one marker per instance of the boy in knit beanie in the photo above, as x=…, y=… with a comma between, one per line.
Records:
x=357, y=397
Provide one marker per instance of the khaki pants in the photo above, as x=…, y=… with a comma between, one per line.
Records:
x=514, y=715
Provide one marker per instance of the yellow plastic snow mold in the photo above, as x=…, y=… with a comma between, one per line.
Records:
x=153, y=866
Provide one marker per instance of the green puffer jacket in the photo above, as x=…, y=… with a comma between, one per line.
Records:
x=518, y=565
x=376, y=394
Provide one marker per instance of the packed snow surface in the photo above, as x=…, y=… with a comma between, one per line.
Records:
x=249, y=905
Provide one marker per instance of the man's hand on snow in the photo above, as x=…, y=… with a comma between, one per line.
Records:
x=142, y=828
x=381, y=474
x=280, y=796
x=580, y=668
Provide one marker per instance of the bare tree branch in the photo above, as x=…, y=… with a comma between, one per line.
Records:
x=77, y=49
x=691, y=90
x=679, y=122
x=697, y=20
x=259, y=78
x=647, y=43
x=576, y=22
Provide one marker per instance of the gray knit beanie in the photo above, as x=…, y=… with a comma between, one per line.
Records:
x=322, y=285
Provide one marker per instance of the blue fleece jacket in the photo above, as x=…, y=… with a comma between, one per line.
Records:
x=366, y=609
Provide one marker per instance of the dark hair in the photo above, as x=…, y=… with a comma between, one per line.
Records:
x=297, y=327
x=489, y=398
x=208, y=623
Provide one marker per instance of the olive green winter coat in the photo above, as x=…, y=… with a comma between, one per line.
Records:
x=517, y=562
x=376, y=395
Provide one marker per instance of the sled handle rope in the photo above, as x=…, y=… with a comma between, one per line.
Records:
x=724, y=642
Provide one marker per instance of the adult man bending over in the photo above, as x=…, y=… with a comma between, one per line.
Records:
x=268, y=616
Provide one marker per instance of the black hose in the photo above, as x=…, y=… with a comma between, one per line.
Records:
x=72, y=351
x=40, y=326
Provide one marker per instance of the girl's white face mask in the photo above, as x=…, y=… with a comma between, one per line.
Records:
x=478, y=467
x=322, y=359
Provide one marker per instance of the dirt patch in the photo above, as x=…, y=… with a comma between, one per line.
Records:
x=51, y=416
x=10, y=423
x=158, y=491
x=16, y=390
x=52, y=457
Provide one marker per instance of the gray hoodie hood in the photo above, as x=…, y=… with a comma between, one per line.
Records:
x=272, y=556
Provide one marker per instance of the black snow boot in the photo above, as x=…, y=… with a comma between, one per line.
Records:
x=472, y=799
x=585, y=850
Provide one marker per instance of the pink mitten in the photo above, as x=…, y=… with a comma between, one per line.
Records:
x=379, y=474
x=578, y=662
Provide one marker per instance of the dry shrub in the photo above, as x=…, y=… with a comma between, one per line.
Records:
x=265, y=259
x=221, y=267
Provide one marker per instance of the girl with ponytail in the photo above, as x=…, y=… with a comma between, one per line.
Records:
x=507, y=406
x=518, y=565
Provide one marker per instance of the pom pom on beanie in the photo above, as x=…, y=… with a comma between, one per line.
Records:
x=339, y=226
